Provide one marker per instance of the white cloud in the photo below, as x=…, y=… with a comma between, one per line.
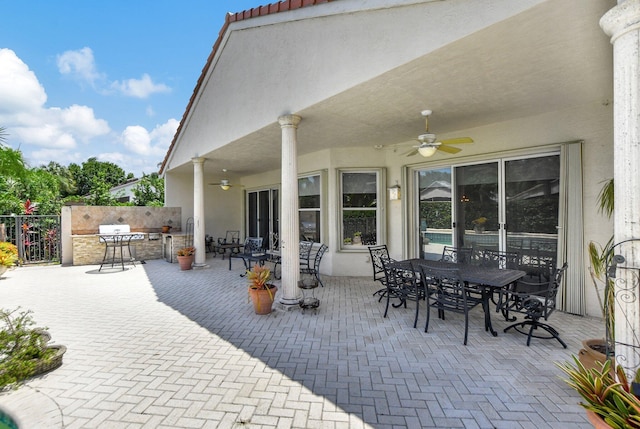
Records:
x=20, y=90
x=142, y=142
x=139, y=88
x=80, y=65
x=23, y=111
x=83, y=122
x=72, y=133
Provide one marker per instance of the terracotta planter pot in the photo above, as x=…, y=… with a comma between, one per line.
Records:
x=590, y=356
x=3, y=270
x=166, y=229
x=263, y=299
x=597, y=421
x=185, y=262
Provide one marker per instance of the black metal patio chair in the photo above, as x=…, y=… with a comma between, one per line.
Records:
x=403, y=284
x=447, y=293
x=536, y=300
x=314, y=269
x=461, y=255
x=378, y=253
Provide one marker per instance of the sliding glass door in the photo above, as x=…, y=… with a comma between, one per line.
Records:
x=262, y=213
x=505, y=204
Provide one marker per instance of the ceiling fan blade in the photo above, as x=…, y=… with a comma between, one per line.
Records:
x=457, y=140
x=449, y=149
x=412, y=152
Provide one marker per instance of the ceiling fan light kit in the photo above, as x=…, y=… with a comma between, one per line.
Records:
x=427, y=150
x=428, y=144
x=224, y=184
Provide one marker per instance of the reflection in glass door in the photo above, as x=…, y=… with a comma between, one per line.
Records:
x=477, y=222
x=262, y=214
x=435, y=211
x=532, y=188
x=508, y=204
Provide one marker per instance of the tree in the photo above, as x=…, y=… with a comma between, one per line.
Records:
x=96, y=173
x=66, y=182
x=149, y=191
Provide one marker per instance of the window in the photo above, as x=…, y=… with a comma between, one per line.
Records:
x=309, y=208
x=360, y=208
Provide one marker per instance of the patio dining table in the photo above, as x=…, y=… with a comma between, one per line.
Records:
x=488, y=280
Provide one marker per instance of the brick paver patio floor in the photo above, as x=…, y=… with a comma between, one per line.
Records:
x=156, y=347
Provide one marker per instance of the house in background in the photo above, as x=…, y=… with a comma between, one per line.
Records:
x=124, y=193
x=310, y=110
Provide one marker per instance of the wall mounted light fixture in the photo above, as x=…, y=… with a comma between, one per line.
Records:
x=394, y=192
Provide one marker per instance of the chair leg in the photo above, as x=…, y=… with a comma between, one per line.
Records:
x=386, y=309
x=466, y=326
x=426, y=325
x=534, y=325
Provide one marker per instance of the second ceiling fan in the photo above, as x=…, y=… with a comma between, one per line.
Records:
x=429, y=143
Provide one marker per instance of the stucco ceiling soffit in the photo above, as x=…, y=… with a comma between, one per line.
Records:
x=548, y=58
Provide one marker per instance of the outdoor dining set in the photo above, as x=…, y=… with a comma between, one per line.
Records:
x=255, y=250
x=464, y=278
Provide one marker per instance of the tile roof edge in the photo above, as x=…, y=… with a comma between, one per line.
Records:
x=272, y=8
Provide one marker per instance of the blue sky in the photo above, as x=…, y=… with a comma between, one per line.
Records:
x=106, y=79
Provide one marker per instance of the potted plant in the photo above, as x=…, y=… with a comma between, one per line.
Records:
x=607, y=397
x=479, y=224
x=185, y=257
x=357, y=237
x=262, y=293
x=8, y=256
x=595, y=351
x=24, y=351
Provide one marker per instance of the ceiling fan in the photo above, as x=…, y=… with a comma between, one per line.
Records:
x=224, y=184
x=429, y=144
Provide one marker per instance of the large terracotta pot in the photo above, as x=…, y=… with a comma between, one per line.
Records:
x=3, y=270
x=590, y=356
x=597, y=421
x=185, y=262
x=263, y=299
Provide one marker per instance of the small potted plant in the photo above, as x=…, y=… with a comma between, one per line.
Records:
x=185, y=257
x=24, y=351
x=8, y=256
x=262, y=293
x=608, y=399
x=357, y=237
x=479, y=224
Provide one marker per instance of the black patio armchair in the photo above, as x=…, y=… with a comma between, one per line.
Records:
x=231, y=242
x=536, y=300
x=252, y=253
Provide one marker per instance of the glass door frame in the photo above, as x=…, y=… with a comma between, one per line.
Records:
x=413, y=249
x=272, y=201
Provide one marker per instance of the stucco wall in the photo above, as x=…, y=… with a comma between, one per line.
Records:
x=87, y=219
x=80, y=226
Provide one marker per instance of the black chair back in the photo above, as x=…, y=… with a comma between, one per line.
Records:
x=377, y=254
x=499, y=259
x=445, y=291
x=402, y=283
x=461, y=255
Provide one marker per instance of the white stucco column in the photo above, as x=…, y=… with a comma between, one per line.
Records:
x=198, y=212
x=289, y=217
x=622, y=23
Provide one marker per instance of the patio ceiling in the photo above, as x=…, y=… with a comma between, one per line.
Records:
x=548, y=58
